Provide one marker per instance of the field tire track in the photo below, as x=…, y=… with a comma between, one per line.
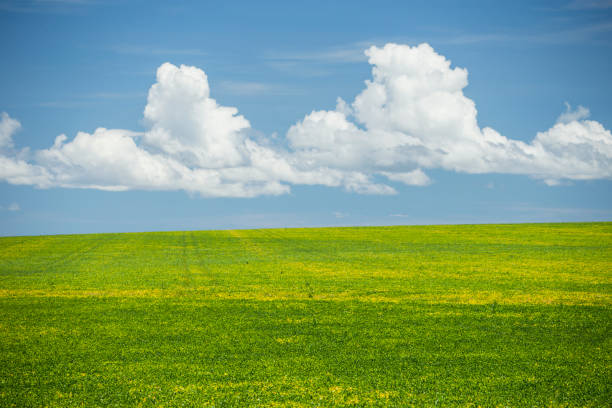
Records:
x=187, y=279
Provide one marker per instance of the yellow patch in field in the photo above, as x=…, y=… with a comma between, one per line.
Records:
x=302, y=320
x=295, y=404
x=189, y=388
x=49, y=330
x=385, y=394
x=74, y=293
x=336, y=389
x=542, y=297
x=287, y=340
x=535, y=298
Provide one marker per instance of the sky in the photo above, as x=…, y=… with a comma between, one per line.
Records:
x=120, y=116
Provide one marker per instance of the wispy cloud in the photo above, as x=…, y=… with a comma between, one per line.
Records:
x=91, y=99
x=299, y=69
x=570, y=115
x=64, y=104
x=589, y=5
x=116, y=95
x=11, y=207
x=155, y=51
x=567, y=36
x=559, y=211
x=257, y=88
x=45, y=6
x=244, y=88
x=348, y=53
x=316, y=63
x=354, y=52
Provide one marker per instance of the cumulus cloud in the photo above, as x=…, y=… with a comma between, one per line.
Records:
x=8, y=127
x=412, y=178
x=192, y=144
x=188, y=125
x=411, y=116
x=573, y=115
x=14, y=167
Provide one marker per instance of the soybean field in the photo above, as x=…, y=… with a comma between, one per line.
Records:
x=471, y=315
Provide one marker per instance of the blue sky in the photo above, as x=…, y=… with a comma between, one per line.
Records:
x=74, y=66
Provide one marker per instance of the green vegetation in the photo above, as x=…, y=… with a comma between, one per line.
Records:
x=490, y=315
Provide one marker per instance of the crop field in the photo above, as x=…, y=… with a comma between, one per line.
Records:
x=489, y=315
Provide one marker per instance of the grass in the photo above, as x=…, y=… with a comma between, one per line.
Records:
x=489, y=315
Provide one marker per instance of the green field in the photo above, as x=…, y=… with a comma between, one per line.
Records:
x=490, y=315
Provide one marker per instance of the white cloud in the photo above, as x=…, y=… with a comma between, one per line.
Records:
x=573, y=115
x=20, y=172
x=188, y=125
x=411, y=116
x=411, y=178
x=112, y=160
x=13, y=165
x=8, y=127
x=192, y=144
x=13, y=207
